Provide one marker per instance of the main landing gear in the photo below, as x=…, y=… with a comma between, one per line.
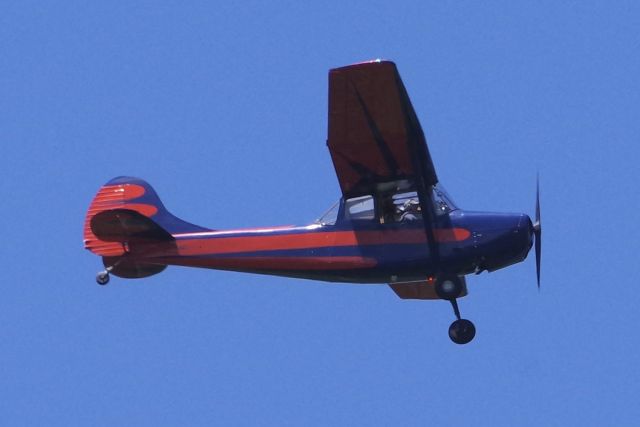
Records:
x=449, y=287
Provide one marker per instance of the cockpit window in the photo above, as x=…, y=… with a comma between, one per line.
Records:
x=359, y=208
x=398, y=207
x=407, y=206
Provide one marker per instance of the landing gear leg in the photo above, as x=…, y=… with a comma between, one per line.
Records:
x=449, y=287
x=461, y=330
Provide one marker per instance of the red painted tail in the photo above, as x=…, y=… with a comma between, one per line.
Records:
x=127, y=211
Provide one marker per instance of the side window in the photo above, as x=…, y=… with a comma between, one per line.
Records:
x=360, y=208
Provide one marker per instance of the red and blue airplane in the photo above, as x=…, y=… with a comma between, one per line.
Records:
x=394, y=224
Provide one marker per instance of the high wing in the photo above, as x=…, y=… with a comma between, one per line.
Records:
x=375, y=138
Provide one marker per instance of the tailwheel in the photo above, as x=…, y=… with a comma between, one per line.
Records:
x=462, y=331
x=102, y=278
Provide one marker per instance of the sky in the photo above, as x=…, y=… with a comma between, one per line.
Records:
x=222, y=107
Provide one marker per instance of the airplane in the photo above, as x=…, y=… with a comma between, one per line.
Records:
x=394, y=224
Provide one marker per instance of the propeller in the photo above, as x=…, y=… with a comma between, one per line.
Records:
x=537, y=231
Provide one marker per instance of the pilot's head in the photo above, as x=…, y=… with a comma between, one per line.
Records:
x=411, y=206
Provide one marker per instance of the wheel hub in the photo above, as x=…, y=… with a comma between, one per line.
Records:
x=448, y=286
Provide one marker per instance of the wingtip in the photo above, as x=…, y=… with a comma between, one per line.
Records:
x=371, y=62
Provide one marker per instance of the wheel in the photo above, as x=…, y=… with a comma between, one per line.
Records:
x=102, y=278
x=448, y=286
x=462, y=331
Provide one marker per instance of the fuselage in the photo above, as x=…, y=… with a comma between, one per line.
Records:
x=357, y=251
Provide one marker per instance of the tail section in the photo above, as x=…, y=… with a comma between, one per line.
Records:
x=127, y=215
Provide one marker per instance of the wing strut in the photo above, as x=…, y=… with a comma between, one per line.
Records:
x=423, y=166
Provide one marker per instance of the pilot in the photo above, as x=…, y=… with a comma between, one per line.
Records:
x=411, y=210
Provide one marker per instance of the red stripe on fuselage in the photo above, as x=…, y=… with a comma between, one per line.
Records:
x=275, y=263
x=310, y=239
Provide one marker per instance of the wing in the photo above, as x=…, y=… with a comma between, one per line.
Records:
x=375, y=138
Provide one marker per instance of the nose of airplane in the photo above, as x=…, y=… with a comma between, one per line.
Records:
x=525, y=232
x=509, y=242
x=500, y=239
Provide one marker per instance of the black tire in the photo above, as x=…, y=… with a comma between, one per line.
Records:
x=448, y=286
x=462, y=331
x=102, y=278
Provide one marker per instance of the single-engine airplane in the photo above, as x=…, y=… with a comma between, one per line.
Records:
x=394, y=224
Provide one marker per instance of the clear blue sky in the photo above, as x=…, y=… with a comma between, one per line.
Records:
x=222, y=108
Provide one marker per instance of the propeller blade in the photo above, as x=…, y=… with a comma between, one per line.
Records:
x=537, y=228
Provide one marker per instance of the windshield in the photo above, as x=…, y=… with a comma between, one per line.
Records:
x=330, y=216
x=443, y=203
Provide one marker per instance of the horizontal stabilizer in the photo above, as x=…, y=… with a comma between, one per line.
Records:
x=125, y=225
